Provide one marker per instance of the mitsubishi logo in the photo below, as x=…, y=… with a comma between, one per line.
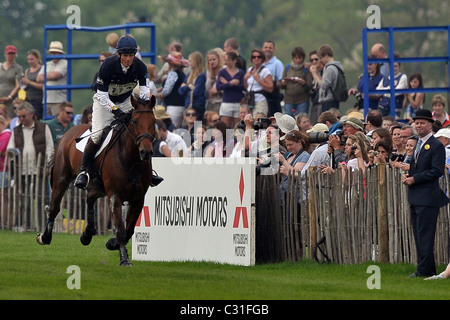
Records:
x=240, y=210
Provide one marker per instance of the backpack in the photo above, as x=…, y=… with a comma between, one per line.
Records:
x=340, y=92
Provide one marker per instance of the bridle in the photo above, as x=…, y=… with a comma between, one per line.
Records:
x=138, y=139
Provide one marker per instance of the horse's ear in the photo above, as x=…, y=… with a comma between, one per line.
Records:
x=152, y=101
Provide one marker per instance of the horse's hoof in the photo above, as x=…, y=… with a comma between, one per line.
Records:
x=41, y=240
x=126, y=263
x=112, y=244
x=85, y=239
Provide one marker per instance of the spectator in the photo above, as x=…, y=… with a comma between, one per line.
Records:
x=319, y=155
x=10, y=74
x=424, y=193
x=161, y=114
x=86, y=117
x=303, y=122
x=297, y=144
x=379, y=52
x=374, y=120
x=414, y=101
x=231, y=82
x=443, y=136
x=381, y=134
x=200, y=143
x=152, y=72
x=297, y=82
x=317, y=67
x=187, y=129
x=239, y=145
x=172, y=100
x=4, y=114
x=33, y=88
x=62, y=122
x=353, y=125
x=111, y=40
x=443, y=275
x=397, y=143
x=174, y=142
x=285, y=123
x=382, y=150
x=31, y=138
x=171, y=49
x=210, y=118
x=221, y=144
x=214, y=63
x=232, y=45
x=258, y=79
x=400, y=82
x=411, y=143
x=374, y=79
x=276, y=69
x=243, y=111
x=406, y=132
x=193, y=87
x=328, y=81
x=160, y=147
x=15, y=121
x=101, y=59
x=5, y=135
x=439, y=113
x=387, y=122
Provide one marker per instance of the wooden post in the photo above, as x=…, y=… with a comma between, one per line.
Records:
x=383, y=245
x=312, y=213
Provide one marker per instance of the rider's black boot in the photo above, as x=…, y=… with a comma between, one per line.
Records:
x=82, y=179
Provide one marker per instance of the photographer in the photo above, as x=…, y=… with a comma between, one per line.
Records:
x=261, y=138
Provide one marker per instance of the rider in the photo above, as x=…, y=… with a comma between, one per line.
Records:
x=116, y=80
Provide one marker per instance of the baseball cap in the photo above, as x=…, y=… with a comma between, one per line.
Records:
x=10, y=49
x=444, y=132
x=318, y=127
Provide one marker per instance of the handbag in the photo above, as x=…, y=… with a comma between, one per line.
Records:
x=249, y=99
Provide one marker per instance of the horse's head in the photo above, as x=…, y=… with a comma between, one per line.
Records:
x=142, y=125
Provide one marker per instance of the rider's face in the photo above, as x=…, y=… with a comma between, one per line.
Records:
x=126, y=59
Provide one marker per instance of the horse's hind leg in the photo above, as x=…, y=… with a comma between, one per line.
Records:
x=91, y=228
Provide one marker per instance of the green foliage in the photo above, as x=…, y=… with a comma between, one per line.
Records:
x=201, y=25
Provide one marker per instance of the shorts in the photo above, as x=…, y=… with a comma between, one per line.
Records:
x=229, y=109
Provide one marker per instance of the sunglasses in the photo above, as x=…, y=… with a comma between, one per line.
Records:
x=22, y=116
x=315, y=59
x=101, y=61
x=256, y=57
x=69, y=113
x=189, y=114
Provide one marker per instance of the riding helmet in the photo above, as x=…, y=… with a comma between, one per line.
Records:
x=126, y=44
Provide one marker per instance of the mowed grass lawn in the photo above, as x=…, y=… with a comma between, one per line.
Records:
x=31, y=271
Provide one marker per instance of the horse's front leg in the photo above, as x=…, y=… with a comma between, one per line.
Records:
x=120, y=241
x=91, y=228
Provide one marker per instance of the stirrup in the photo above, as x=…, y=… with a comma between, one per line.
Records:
x=83, y=175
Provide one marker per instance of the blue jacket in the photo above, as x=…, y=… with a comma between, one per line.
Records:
x=199, y=91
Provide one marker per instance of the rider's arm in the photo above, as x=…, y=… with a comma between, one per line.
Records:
x=104, y=100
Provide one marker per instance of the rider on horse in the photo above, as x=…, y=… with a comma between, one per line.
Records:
x=116, y=80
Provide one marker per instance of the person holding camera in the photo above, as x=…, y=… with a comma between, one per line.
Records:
x=258, y=80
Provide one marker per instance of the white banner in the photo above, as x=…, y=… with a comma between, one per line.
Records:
x=202, y=211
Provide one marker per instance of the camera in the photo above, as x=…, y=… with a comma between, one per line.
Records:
x=262, y=123
x=396, y=157
x=354, y=147
x=318, y=137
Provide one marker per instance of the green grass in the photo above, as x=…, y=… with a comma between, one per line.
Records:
x=29, y=271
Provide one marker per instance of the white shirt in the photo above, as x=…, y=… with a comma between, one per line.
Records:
x=29, y=152
x=253, y=85
x=176, y=144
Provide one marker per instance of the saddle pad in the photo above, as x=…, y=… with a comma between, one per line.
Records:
x=80, y=145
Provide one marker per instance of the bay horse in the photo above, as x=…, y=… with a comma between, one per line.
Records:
x=125, y=171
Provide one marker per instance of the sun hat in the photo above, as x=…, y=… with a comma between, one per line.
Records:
x=319, y=127
x=356, y=114
x=160, y=113
x=355, y=123
x=285, y=123
x=444, y=132
x=56, y=46
x=424, y=114
x=10, y=49
x=176, y=59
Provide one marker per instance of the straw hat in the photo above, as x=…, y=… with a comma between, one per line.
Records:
x=160, y=113
x=56, y=46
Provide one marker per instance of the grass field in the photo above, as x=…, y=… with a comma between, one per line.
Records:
x=29, y=271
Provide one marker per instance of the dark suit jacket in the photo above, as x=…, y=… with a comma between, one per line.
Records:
x=427, y=170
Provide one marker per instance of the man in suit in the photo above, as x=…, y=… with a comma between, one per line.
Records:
x=424, y=195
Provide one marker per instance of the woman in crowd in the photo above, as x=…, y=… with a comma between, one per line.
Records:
x=193, y=88
x=296, y=143
x=34, y=89
x=316, y=107
x=214, y=63
x=258, y=79
x=5, y=135
x=231, y=82
x=303, y=122
x=414, y=101
x=297, y=83
x=171, y=99
x=439, y=113
x=397, y=143
x=187, y=129
x=10, y=74
x=198, y=146
x=221, y=145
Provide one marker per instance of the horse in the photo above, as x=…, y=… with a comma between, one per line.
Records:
x=123, y=170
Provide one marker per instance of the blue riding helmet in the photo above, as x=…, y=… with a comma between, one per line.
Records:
x=126, y=44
